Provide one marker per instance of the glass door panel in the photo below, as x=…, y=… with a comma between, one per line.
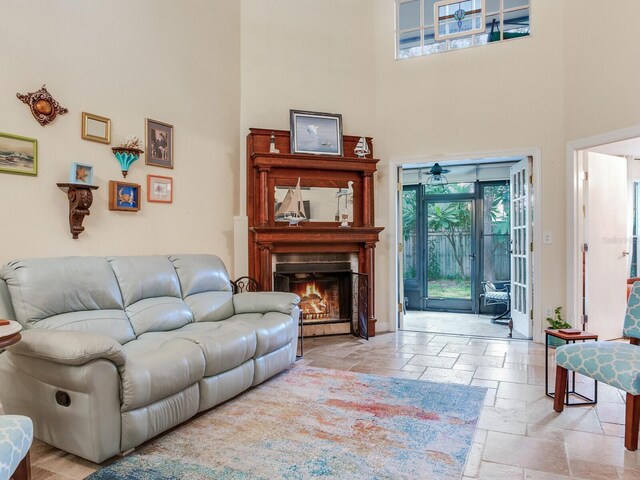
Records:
x=450, y=254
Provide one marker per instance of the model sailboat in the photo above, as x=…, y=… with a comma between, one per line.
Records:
x=362, y=149
x=292, y=207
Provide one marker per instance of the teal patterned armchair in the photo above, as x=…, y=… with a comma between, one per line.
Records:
x=16, y=435
x=614, y=363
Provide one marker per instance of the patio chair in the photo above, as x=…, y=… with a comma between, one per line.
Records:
x=492, y=295
x=614, y=363
x=16, y=435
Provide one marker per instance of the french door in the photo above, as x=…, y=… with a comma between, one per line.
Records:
x=521, y=274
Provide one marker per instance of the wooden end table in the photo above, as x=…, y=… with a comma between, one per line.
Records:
x=12, y=337
x=571, y=379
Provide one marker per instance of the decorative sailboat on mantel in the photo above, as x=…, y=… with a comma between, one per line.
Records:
x=362, y=149
x=292, y=207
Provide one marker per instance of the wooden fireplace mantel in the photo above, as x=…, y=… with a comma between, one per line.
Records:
x=268, y=237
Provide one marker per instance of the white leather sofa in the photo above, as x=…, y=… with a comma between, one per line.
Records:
x=117, y=350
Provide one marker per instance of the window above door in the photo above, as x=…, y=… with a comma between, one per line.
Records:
x=425, y=27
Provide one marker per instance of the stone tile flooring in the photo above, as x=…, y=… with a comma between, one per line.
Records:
x=519, y=435
x=457, y=323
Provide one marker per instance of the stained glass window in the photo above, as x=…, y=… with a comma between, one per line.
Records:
x=457, y=18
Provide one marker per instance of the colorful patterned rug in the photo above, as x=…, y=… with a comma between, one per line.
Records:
x=310, y=423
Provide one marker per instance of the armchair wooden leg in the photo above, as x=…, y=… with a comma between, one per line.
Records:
x=561, y=387
x=23, y=472
x=632, y=422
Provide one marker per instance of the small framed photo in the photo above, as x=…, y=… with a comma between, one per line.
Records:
x=159, y=189
x=81, y=173
x=96, y=128
x=124, y=196
x=159, y=142
x=18, y=154
x=317, y=133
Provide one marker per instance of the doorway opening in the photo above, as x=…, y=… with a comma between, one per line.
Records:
x=606, y=217
x=465, y=252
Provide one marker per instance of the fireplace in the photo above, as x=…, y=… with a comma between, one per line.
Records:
x=333, y=298
x=268, y=172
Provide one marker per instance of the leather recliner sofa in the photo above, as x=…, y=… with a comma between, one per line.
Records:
x=117, y=350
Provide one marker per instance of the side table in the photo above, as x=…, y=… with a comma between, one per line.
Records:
x=10, y=334
x=571, y=379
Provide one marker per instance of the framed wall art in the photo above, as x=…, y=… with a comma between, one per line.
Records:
x=96, y=128
x=81, y=173
x=18, y=154
x=124, y=196
x=159, y=141
x=316, y=133
x=159, y=189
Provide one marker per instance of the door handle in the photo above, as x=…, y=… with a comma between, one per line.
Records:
x=472, y=256
x=625, y=253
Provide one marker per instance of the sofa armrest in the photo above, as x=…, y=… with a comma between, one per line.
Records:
x=263, y=302
x=67, y=347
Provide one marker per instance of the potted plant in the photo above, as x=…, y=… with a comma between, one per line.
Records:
x=556, y=323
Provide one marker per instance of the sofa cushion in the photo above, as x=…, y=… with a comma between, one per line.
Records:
x=69, y=293
x=157, y=370
x=206, y=287
x=273, y=330
x=151, y=293
x=158, y=314
x=223, y=345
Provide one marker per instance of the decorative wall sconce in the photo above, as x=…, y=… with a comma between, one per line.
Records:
x=80, y=200
x=126, y=157
x=43, y=107
x=127, y=153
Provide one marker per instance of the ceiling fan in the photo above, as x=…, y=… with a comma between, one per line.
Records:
x=436, y=175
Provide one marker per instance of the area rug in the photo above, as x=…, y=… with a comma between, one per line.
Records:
x=310, y=423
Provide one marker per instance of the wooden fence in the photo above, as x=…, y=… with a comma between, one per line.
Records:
x=443, y=263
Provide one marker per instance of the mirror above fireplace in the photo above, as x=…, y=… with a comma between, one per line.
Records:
x=321, y=204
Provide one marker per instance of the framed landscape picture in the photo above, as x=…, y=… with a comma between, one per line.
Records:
x=159, y=140
x=124, y=196
x=159, y=189
x=317, y=133
x=18, y=154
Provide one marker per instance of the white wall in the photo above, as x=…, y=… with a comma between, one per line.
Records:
x=600, y=68
x=170, y=61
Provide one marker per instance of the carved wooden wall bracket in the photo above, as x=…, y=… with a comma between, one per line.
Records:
x=80, y=200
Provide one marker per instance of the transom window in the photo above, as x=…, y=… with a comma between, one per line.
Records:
x=424, y=27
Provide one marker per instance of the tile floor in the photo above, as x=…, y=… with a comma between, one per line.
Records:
x=456, y=323
x=519, y=435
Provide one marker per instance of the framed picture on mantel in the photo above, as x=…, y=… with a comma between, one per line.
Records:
x=316, y=133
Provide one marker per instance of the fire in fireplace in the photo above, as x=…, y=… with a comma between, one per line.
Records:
x=333, y=299
x=319, y=296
